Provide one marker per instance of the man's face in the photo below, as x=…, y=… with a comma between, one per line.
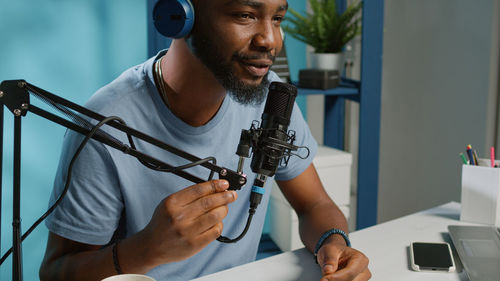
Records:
x=238, y=41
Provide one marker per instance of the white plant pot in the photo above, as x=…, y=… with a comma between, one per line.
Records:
x=327, y=61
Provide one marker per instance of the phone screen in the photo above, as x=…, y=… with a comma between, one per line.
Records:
x=431, y=256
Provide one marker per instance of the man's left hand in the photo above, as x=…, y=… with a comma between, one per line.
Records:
x=341, y=263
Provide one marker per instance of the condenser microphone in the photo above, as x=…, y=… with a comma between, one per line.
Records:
x=271, y=144
x=273, y=138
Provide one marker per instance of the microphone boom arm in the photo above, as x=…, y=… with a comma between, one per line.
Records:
x=16, y=97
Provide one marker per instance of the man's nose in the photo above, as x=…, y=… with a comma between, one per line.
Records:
x=267, y=37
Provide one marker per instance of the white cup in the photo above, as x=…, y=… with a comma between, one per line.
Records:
x=129, y=277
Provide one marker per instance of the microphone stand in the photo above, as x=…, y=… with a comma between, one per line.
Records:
x=15, y=95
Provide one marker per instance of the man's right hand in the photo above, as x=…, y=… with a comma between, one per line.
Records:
x=183, y=223
x=187, y=221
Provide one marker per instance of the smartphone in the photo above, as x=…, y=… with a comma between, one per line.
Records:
x=431, y=256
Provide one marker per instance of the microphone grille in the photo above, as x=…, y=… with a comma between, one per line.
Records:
x=280, y=99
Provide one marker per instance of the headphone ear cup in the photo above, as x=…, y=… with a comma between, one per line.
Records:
x=173, y=18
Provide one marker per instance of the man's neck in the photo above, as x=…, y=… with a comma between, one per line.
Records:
x=194, y=94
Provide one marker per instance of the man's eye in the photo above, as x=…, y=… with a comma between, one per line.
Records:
x=278, y=19
x=243, y=16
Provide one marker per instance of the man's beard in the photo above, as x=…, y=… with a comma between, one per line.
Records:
x=205, y=49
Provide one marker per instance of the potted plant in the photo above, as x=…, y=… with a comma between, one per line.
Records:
x=325, y=30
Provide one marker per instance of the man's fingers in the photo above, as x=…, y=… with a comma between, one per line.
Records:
x=328, y=268
x=328, y=260
x=204, y=205
x=364, y=276
x=343, y=264
x=211, y=234
x=209, y=220
x=205, y=238
x=350, y=267
x=194, y=192
x=212, y=201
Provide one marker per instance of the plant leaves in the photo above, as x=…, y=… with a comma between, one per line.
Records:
x=323, y=28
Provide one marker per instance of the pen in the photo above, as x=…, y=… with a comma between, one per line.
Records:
x=492, y=156
x=464, y=159
x=469, y=153
x=474, y=154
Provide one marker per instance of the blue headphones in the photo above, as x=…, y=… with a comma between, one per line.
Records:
x=173, y=18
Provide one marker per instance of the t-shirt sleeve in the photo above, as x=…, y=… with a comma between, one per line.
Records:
x=304, y=138
x=90, y=211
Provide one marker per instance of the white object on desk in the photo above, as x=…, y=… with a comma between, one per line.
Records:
x=480, y=194
x=386, y=245
x=334, y=170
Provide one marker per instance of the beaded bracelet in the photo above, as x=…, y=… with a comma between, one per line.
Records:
x=328, y=234
x=118, y=269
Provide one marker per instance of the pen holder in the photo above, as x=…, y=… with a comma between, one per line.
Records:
x=480, y=194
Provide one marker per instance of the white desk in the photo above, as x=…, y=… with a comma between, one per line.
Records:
x=386, y=245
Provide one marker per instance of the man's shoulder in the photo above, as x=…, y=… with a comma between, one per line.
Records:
x=128, y=85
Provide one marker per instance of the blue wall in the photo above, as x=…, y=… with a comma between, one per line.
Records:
x=70, y=48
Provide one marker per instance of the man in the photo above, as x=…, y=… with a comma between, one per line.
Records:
x=120, y=216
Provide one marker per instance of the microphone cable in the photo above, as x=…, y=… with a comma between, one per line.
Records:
x=255, y=199
x=224, y=239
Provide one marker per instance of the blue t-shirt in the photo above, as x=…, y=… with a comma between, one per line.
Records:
x=110, y=190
